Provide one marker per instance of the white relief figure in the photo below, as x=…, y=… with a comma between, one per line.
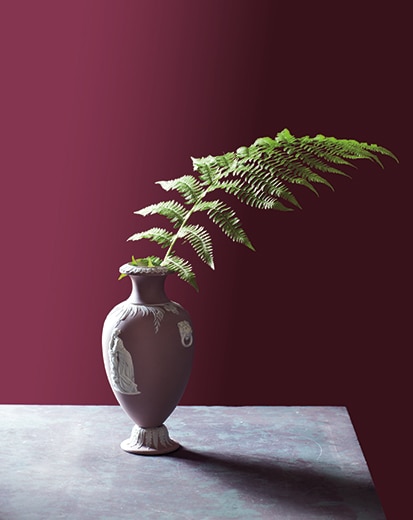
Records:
x=185, y=330
x=122, y=374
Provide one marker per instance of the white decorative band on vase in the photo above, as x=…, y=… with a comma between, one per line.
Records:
x=149, y=441
x=138, y=269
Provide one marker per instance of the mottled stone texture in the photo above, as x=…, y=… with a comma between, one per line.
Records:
x=287, y=463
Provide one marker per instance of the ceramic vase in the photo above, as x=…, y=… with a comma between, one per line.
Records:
x=148, y=345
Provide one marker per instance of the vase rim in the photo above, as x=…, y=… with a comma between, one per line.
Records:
x=138, y=269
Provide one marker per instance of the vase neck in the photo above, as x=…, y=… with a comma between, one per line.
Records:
x=148, y=289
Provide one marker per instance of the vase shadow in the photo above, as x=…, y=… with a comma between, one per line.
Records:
x=297, y=485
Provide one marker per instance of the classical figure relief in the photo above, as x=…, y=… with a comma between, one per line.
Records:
x=121, y=373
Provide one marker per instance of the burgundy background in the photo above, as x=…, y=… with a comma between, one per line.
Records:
x=100, y=99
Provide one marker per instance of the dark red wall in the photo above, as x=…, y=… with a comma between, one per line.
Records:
x=100, y=99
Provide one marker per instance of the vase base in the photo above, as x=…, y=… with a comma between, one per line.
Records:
x=149, y=441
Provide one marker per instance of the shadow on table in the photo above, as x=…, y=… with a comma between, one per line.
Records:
x=299, y=483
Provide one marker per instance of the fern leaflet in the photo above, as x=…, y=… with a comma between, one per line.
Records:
x=159, y=235
x=172, y=210
x=188, y=186
x=200, y=240
x=183, y=269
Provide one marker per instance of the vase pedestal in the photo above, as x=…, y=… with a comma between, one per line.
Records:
x=149, y=441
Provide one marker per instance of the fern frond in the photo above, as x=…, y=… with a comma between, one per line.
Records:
x=188, y=186
x=296, y=149
x=213, y=168
x=262, y=180
x=282, y=162
x=315, y=146
x=262, y=175
x=345, y=148
x=172, y=210
x=225, y=217
x=374, y=148
x=200, y=240
x=207, y=169
x=248, y=152
x=148, y=261
x=224, y=162
x=254, y=199
x=182, y=268
x=293, y=170
x=159, y=235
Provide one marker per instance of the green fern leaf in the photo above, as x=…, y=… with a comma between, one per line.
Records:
x=264, y=145
x=346, y=148
x=200, y=240
x=310, y=160
x=247, y=153
x=182, y=268
x=254, y=199
x=292, y=170
x=172, y=210
x=224, y=163
x=322, y=149
x=207, y=169
x=213, y=168
x=149, y=261
x=159, y=235
x=262, y=180
x=153, y=261
x=187, y=185
x=374, y=148
x=225, y=217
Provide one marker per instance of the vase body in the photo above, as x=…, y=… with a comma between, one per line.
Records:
x=147, y=343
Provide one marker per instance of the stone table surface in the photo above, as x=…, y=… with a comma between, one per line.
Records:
x=248, y=462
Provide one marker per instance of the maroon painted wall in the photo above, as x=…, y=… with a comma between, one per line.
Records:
x=101, y=99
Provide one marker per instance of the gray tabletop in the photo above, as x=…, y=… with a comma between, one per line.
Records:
x=244, y=462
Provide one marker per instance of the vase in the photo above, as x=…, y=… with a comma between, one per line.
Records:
x=148, y=345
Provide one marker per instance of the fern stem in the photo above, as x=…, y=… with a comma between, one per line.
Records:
x=170, y=249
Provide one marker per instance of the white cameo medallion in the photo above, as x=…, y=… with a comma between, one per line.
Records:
x=185, y=330
x=121, y=373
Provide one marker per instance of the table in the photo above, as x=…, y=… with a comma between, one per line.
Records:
x=247, y=462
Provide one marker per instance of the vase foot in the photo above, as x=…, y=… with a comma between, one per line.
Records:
x=149, y=441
